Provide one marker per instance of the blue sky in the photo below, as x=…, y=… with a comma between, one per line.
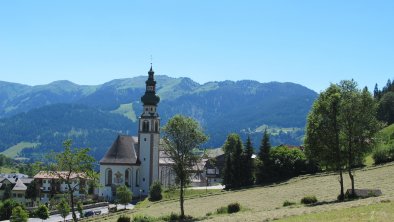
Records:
x=90, y=42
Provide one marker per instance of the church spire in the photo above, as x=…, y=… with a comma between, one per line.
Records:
x=150, y=97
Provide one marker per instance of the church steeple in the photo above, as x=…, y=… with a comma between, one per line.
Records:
x=150, y=98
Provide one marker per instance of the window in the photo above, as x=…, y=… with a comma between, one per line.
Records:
x=14, y=194
x=137, y=175
x=109, y=177
x=127, y=177
x=145, y=126
x=157, y=126
x=20, y=195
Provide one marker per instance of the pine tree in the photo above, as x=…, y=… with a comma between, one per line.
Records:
x=248, y=169
x=237, y=163
x=228, y=176
x=233, y=149
x=376, y=92
x=264, y=157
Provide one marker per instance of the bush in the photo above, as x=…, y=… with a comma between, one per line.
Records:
x=42, y=212
x=175, y=217
x=6, y=209
x=383, y=155
x=309, y=200
x=19, y=215
x=288, y=203
x=143, y=218
x=123, y=218
x=233, y=208
x=222, y=210
x=155, y=191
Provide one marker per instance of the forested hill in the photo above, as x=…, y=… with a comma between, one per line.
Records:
x=93, y=115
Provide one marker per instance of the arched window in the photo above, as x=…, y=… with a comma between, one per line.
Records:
x=137, y=178
x=157, y=126
x=127, y=177
x=145, y=126
x=162, y=176
x=109, y=177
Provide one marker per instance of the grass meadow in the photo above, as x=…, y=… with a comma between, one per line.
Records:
x=265, y=203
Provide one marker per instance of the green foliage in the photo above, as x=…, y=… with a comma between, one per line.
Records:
x=181, y=135
x=229, y=209
x=383, y=155
x=123, y=195
x=386, y=108
x=287, y=162
x=221, y=210
x=248, y=164
x=32, y=190
x=42, y=212
x=384, y=149
x=72, y=161
x=143, y=218
x=123, y=218
x=19, y=215
x=309, y=200
x=80, y=209
x=288, y=203
x=63, y=208
x=6, y=209
x=233, y=208
x=341, y=128
x=264, y=166
x=233, y=148
x=155, y=191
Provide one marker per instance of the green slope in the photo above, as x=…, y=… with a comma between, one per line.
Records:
x=15, y=150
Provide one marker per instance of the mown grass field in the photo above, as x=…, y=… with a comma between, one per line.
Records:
x=265, y=203
x=13, y=151
x=382, y=212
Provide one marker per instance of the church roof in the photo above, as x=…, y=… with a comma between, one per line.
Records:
x=122, y=152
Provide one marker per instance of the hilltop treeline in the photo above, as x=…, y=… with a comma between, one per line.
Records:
x=385, y=98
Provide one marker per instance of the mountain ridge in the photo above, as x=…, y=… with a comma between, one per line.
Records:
x=221, y=107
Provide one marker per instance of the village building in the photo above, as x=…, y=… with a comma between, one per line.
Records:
x=51, y=185
x=14, y=186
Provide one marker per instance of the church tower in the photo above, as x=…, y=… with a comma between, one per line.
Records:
x=149, y=136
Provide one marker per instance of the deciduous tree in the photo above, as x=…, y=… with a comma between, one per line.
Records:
x=124, y=195
x=322, y=139
x=19, y=215
x=181, y=135
x=63, y=208
x=42, y=212
x=72, y=166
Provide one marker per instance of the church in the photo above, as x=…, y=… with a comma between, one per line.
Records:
x=135, y=161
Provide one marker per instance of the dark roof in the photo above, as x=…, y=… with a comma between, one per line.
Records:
x=122, y=152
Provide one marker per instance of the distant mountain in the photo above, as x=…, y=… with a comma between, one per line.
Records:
x=93, y=115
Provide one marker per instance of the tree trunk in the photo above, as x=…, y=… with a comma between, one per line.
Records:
x=350, y=166
x=342, y=194
x=182, y=200
x=72, y=203
x=352, y=181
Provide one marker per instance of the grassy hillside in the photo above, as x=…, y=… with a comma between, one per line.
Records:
x=265, y=203
x=387, y=135
x=15, y=150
